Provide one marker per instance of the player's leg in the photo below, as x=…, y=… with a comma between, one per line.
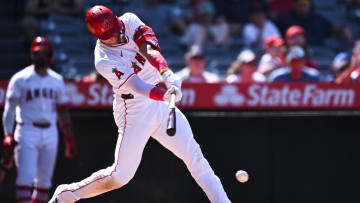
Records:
x=134, y=132
x=46, y=164
x=184, y=146
x=26, y=155
x=127, y=158
x=128, y=154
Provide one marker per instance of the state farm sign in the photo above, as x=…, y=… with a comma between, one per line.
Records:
x=90, y=94
x=274, y=95
x=229, y=96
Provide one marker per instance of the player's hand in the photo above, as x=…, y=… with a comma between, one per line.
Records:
x=173, y=90
x=171, y=78
x=9, y=144
x=70, y=146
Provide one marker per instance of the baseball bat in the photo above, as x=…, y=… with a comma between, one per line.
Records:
x=171, y=124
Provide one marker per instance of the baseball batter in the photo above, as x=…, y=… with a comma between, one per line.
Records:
x=128, y=55
x=35, y=98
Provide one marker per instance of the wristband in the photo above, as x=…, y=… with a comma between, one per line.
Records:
x=164, y=70
x=157, y=93
x=159, y=63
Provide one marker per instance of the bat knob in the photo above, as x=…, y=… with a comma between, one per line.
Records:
x=171, y=131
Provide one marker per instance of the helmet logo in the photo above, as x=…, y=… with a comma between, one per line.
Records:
x=107, y=23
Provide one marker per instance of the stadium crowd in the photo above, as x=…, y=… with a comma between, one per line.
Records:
x=275, y=39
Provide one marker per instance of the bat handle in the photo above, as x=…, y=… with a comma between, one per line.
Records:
x=171, y=125
x=172, y=101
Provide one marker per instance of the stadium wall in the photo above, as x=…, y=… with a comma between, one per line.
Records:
x=289, y=159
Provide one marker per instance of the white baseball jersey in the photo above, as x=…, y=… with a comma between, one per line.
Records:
x=118, y=63
x=38, y=95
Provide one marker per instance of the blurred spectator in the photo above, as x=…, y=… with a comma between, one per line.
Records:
x=297, y=72
x=340, y=62
x=37, y=10
x=273, y=57
x=162, y=18
x=205, y=27
x=259, y=28
x=350, y=73
x=295, y=36
x=317, y=27
x=243, y=70
x=195, y=71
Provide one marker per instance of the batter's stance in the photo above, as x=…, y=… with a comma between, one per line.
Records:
x=35, y=98
x=128, y=55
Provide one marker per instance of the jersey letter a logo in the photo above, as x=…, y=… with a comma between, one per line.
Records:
x=117, y=73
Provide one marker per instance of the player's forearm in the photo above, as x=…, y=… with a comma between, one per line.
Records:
x=64, y=120
x=154, y=57
x=157, y=60
x=9, y=116
x=144, y=89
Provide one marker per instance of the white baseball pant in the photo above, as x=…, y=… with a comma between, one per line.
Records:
x=35, y=157
x=137, y=121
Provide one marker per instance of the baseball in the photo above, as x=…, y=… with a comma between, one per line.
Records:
x=242, y=176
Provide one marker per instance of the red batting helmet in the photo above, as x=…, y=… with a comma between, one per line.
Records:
x=40, y=43
x=102, y=22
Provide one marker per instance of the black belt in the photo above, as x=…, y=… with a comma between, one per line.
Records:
x=127, y=96
x=39, y=125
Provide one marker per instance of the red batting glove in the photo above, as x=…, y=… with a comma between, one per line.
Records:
x=70, y=146
x=9, y=144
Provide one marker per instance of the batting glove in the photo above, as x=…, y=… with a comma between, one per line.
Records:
x=70, y=146
x=9, y=144
x=171, y=79
x=173, y=90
